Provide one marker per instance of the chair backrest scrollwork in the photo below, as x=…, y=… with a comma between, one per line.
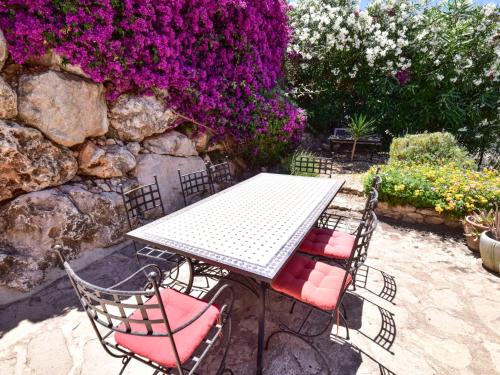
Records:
x=140, y=200
x=312, y=166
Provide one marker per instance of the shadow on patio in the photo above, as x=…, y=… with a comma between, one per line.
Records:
x=286, y=354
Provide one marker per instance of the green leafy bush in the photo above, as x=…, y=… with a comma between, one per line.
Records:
x=432, y=148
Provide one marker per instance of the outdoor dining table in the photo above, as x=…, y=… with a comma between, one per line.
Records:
x=251, y=228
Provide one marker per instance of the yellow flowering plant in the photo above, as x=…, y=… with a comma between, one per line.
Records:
x=449, y=189
x=431, y=170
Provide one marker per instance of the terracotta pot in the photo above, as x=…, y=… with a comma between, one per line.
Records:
x=490, y=251
x=471, y=236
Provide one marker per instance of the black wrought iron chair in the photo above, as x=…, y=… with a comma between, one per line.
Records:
x=162, y=328
x=312, y=166
x=348, y=223
x=141, y=204
x=220, y=175
x=321, y=286
x=327, y=244
x=195, y=184
x=199, y=184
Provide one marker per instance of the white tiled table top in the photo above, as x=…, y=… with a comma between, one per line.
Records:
x=251, y=228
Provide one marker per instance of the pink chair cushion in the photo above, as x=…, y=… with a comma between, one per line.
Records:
x=328, y=243
x=316, y=283
x=179, y=308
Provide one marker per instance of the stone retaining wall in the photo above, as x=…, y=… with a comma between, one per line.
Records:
x=64, y=151
x=413, y=215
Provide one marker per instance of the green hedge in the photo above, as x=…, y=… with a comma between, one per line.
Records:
x=432, y=148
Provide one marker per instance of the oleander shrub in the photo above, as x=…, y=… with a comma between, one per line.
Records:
x=219, y=60
x=413, y=66
x=433, y=148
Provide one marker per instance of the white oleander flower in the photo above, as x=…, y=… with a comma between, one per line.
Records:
x=489, y=9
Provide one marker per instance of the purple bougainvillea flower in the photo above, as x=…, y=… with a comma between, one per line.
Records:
x=219, y=60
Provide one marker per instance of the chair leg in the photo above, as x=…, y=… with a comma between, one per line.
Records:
x=222, y=368
x=344, y=310
x=354, y=280
x=284, y=327
x=304, y=321
x=346, y=325
x=125, y=362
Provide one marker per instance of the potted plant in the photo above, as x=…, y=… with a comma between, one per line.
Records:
x=475, y=224
x=489, y=245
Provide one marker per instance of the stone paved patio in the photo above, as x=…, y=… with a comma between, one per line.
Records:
x=425, y=306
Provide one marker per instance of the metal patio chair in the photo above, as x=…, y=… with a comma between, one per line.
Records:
x=335, y=245
x=346, y=223
x=195, y=184
x=321, y=286
x=312, y=166
x=220, y=175
x=162, y=328
x=141, y=202
x=199, y=184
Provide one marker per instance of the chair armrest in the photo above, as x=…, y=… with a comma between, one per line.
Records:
x=146, y=270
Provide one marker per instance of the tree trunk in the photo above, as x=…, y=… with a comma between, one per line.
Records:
x=353, y=149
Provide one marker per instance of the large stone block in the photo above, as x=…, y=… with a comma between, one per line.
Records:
x=201, y=141
x=165, y=168
x=3, y=50
x=65, y=108
x=105, y=161
x=30, y=162
x=170, y=143
x=8, y=100
x=134, y=118
x=71, y=215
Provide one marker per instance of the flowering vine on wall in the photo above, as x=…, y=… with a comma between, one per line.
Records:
x=219, y=60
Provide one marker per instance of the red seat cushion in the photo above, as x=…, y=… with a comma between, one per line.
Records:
x=313, y=282
x=180, y=308
x=328, y=243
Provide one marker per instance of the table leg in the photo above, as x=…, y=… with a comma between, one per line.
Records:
x=262, y=319
x=191, y=276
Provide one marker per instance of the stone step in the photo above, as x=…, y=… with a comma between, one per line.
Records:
x=353, y=183
x=348, y=202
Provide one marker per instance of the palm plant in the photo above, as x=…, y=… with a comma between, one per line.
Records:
x=360, y=127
